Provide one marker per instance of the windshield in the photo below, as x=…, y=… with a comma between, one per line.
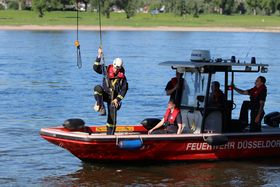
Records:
x=195, y=84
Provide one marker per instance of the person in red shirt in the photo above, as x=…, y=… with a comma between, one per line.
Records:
x=172, y=121
x=257, y=101
x=173, y=88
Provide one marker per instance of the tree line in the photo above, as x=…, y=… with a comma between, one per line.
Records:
x=178, y=7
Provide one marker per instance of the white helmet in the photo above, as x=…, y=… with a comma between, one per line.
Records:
x=118, y=63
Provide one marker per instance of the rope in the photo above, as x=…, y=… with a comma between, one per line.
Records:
x=77, y=43
x=100, y=30
x=251, y=47
x=104, y=70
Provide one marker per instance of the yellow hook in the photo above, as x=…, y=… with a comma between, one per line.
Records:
x=77, y=44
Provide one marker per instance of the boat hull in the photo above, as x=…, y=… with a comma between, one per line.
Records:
x=98, y=147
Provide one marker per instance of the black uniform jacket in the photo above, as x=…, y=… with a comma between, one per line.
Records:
x=119, y=85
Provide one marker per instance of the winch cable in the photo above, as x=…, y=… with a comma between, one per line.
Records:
x=104, y=70
x=251, y=47
x=77, y=43
x=100, y=29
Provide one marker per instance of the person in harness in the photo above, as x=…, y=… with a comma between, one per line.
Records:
x=112, y=91
x=172, y=121
x=257, y=100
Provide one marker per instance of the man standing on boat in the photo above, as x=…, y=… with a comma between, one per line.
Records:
x=257, y=100
x=173, y=88
x=112, y=91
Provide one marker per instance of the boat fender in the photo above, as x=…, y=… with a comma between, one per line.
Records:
x=216, y=140
x=149, y=123
x=74, y=124
x=272, y=119
x=130, y=144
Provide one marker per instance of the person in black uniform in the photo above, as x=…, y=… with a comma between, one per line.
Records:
x=112, y=91
x=173, y=88
x=257, y=101
x=217, y=97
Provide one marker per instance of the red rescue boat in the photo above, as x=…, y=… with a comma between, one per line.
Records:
x=98, y=146
x=209, y=133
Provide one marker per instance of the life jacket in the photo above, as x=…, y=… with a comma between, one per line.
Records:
x=171, y=119
x=118, y=74
x=255, y=92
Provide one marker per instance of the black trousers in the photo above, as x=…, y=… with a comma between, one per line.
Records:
x=101, y=96
x=255, y=127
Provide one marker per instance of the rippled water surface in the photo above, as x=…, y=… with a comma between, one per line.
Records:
x=40, y=86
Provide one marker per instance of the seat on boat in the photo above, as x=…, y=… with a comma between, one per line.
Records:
x=192, y=120
x=214, y=120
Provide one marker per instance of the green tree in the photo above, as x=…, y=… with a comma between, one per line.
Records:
x=229, y=7
x=170, y=5
x=193, y=7
x=269, y=6
x=54, y=5
x=155, y=5
x=209, y=6
x=220, y=5
x=278, y=6
x=13, y=4
x=253, y=4
x=105, y=6
x=181, y=7
x=223, y=6
x=39, y=6
x=241, y=8
x=129, y=6
x=66, y=2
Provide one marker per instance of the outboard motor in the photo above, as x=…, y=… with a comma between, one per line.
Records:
x=74, y=124
x=149, y=123
x=272, y=119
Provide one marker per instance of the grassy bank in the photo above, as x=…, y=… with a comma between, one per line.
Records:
x=9, y=17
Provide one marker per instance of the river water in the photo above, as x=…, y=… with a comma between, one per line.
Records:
x=41, y=86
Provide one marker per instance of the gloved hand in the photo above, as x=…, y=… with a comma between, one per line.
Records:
x=100, y=52
x=115, y=103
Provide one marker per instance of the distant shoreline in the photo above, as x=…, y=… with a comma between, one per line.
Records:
x=128, y=28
